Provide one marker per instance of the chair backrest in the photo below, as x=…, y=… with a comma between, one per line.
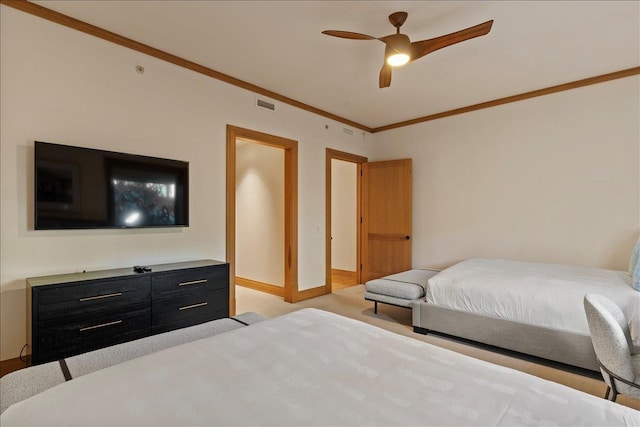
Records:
x=610, y=335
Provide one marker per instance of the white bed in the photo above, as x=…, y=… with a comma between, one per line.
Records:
x=546, y=296
x=312, y=367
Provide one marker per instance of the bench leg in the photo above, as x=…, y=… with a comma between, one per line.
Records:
x=375, y=307
x=420, y=330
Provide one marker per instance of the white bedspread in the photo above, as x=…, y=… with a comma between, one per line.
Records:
x=549, y=295
x=312, y=367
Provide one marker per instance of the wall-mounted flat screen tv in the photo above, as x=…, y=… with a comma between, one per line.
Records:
x=78, y=187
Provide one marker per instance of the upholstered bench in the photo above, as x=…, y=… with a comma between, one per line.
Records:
x=399, y=289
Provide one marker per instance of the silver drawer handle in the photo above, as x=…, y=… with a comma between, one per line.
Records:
x=117, y=294
x=193, y=282
x=101, y=325
x=187, y=307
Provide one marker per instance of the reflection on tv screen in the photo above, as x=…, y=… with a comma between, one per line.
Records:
x=145, y=203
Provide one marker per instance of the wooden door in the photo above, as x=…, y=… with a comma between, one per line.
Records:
x=387, y=216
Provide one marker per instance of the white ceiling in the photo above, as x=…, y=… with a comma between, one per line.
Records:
x=278, y=46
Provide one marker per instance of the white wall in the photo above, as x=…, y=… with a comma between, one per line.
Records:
x=343, y=215
x=260, y=213
x=62, y=86
x=550, y=179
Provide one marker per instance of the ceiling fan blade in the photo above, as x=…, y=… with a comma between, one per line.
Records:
x=385, y=75
x=423, y=47
x=348, y=35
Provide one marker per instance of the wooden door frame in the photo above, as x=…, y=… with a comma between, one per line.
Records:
x=290, y=148
x=332, y=154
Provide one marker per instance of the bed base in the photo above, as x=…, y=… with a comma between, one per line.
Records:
x=552, y=344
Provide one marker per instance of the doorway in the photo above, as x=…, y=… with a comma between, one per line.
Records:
x=289, y=247
x=260, y=217
x=343, y=219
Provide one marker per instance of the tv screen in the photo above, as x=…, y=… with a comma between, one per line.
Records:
x=78, y=187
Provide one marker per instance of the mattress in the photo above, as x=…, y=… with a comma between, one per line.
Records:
x=312, y=367
x=547, y=295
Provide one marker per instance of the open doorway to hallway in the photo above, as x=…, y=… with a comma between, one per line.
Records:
x=262, y=213
x=260, y=246
x=343, y=223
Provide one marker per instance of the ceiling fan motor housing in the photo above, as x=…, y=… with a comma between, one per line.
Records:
x=397, y=50
x=399, y=43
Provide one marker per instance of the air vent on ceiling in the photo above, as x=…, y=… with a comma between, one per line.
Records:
x=347, y=131
x=264, y=104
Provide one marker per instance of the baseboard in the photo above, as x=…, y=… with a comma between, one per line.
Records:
x=351, y=275
x=11, y=365
x=312, y=293
x=259, y=286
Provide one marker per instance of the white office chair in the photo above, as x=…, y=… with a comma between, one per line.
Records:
x=613, y=346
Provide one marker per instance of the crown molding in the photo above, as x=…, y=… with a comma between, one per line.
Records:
x=515, y=98
x=76, y=24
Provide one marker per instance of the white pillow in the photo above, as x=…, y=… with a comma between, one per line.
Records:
x=635, y=279
x=633, y=261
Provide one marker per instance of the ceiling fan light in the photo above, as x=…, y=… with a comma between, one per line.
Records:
x=398, y=59
x=398, y=50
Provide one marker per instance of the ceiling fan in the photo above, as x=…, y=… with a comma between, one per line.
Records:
x=400, y=50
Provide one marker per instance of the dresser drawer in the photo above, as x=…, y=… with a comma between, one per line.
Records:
x=195, y=280
x=99, y=331
x=86, y=299
x=189, y=309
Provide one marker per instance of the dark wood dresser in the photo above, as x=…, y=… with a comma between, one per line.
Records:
x=70, y=314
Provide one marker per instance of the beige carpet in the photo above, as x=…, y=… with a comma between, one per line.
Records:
x=350, y=302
